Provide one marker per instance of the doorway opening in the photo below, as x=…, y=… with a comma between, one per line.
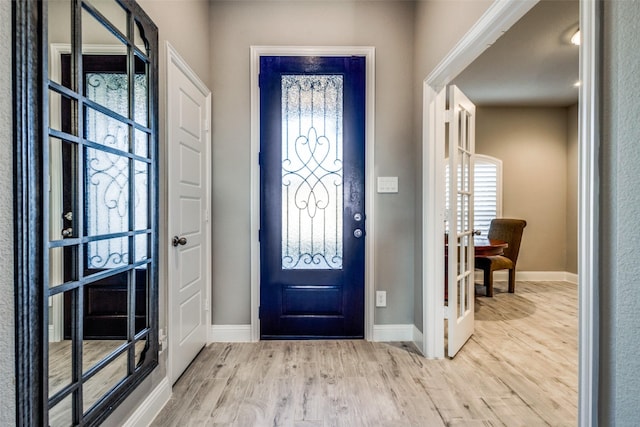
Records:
x=498, y=18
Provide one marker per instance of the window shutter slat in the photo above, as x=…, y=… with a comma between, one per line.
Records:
x=487, y=198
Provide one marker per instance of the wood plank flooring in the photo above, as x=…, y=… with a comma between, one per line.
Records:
x=518, y=369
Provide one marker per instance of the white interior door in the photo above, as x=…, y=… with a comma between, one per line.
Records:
x=461, y=288
x=188, y=104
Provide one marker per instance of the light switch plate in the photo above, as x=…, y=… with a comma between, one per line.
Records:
x=387, y=184
x=381, y=298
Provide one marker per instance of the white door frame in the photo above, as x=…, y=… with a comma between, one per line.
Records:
x=172, y=56
x=369, y=54
x=500, y=16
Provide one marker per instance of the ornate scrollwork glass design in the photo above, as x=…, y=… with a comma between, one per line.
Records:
x=312, y=171
x=107, y=173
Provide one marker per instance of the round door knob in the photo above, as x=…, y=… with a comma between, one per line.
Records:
x=179, y=241
x=357, y=233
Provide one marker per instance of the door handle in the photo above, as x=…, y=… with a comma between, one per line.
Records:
x=179, y=241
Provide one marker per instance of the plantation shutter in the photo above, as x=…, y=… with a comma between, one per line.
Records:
x=488, y=192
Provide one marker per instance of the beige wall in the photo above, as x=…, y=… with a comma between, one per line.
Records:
x=235, y=26
x=532, y=143
x=7, y=322
x=185, y=24
x=572, y=189
x=439, y=26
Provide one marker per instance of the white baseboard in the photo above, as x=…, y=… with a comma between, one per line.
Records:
x=151, y=407
x=536, y=276
x=386, y=333
x=571, y=278
x=418, y=338
x=381, y=333
x=229, y=333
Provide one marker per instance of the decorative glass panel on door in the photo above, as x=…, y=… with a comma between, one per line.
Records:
x=312, y=171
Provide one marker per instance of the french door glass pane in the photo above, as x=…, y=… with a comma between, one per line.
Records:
x=312, y=171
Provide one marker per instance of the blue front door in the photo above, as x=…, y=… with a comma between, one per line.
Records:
x=312, y=139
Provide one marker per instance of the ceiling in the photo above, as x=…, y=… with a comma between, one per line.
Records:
x=532, y=64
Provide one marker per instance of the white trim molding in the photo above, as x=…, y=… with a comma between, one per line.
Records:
x=369, y=53
x=389, y=333
x=418, y=337
x=229, y=333
x=149, y=409
x=433, y=216
x=534, y=276
x=498, y=18
x=588, y=212
x=381, y=333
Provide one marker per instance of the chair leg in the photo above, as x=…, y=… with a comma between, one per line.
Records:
x=512, y=280
x=488, y=282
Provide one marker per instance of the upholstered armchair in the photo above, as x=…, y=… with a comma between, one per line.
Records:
x=510, y=231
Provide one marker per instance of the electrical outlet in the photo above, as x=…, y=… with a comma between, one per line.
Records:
x=381, y=298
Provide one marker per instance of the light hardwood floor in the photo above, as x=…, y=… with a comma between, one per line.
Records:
x=518, y=369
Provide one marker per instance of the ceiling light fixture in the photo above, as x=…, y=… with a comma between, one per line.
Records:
x=575, y=38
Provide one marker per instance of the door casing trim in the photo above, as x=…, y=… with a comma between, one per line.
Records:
x=501, y=15
x=369, y=53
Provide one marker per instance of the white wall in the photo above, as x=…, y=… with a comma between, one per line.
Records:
x=235, y=26
x=7, y=321
x=619, y=250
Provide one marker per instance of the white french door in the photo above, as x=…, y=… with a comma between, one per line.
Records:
x=460, y=268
